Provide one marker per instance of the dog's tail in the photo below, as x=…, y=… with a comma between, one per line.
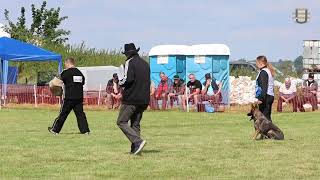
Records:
x=276, y=134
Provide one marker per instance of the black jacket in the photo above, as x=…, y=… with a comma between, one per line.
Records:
x=73, y=81
x=134, y=77
x=262, y=82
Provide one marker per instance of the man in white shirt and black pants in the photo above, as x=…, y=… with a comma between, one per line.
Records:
x=134, y=78
x=288, y=94
x=73, y=81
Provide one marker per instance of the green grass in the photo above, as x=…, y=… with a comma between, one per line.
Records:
x=180, y=146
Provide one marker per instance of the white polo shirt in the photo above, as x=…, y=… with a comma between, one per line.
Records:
x=292, y=89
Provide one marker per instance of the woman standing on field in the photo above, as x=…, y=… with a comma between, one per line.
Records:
x=264, y=86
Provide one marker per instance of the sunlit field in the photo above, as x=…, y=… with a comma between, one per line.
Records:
x=179, y=146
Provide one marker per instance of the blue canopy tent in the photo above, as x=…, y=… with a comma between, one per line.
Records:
x=15, y=50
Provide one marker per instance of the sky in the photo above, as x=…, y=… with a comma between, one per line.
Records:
x=250, y=28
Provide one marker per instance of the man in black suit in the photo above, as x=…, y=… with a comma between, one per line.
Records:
x=134, y=77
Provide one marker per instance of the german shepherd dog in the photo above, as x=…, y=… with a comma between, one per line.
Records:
x=264, y=126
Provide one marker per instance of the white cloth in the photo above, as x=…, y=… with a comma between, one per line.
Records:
x=123, y=70
x=292, y=89
x=270, y=90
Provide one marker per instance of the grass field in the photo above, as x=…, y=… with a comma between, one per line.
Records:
x=180, y=146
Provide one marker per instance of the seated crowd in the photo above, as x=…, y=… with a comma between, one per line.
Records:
x=288, y=94
x=169, y=92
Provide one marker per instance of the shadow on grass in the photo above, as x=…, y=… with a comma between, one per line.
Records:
x=71, y=133
x=151, y=151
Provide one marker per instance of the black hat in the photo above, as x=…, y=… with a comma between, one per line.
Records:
x=176, y=77
x=130, y=48
x=207, y=76
x=115, y=75
x=311, y=75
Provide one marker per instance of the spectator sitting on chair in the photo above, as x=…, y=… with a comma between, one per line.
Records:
x=153, y=103
x=195, y=88
x=309, y=93
x=288, y=94
x=211, y=90
x=163, y=90
x=177, y=90
x=113, y=92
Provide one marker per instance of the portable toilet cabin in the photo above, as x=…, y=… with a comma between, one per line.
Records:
x=213, y=59
x=170, y=59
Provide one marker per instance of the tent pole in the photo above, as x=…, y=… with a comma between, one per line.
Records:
x=60, y=66
x=187, y=95
x=1, y=77
x=5, y=66
x=100, y=88
x=0, y=96
x=35, y=95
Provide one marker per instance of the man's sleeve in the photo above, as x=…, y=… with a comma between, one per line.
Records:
x=170, y=86
x=263, y=83
x=109, y=87
x=126, y=74
x=294, y=89
x=182, y=89
x=83, y=80
x=281, y=89
x=316, y=86
x=199, y=85
x=62, y=76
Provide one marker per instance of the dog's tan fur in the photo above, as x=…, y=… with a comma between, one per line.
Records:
x=264, y=126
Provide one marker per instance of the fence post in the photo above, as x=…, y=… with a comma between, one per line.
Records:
x=99, y=97
x=35, y=95
x=187, y=97
x=0, y=97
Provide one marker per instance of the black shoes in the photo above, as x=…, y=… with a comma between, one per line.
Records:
x=137, y=147
x=55, y=133
x=51, y=131
x=132, y=148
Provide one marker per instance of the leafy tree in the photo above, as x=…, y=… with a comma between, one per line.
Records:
x=44, y=27
x=17, y=30
x=298, y=65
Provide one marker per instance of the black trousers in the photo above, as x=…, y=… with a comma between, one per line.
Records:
x=266, y=106
x=134, y=114
x=77, y=107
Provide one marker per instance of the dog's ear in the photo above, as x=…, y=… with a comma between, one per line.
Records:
x=254, y=106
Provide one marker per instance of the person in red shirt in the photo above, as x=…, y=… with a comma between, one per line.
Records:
x=163, y=90
x=177, y=90
x=113, y=98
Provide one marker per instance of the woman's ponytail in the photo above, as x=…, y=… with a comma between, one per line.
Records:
x=271, y=69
